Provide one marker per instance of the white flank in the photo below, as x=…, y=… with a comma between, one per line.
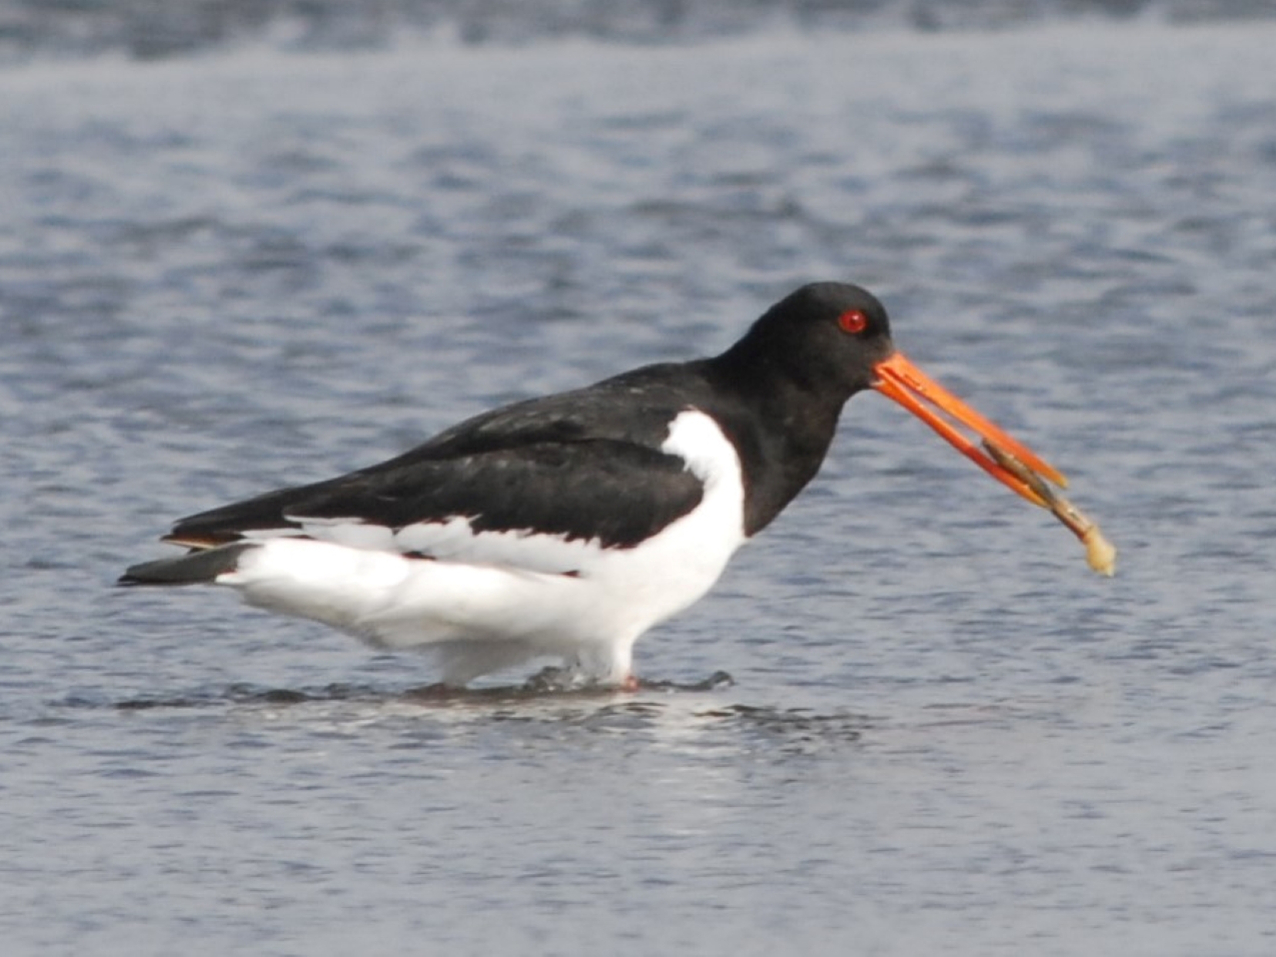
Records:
x=495, y=599
x=455, y=540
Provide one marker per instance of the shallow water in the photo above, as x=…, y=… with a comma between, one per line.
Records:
x=222, y=274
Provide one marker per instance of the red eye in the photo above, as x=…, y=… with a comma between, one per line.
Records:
x=852, y=321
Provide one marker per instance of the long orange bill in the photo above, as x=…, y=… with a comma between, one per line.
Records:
x=921, y=395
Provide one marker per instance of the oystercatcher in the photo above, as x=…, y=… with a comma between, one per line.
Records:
x=569, y=525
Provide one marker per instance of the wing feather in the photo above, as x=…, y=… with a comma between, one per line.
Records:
x=564, y=464
x=616, y=492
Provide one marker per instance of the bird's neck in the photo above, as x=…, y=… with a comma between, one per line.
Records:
x=784, y=438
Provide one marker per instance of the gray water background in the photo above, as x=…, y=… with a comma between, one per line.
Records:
x=228, y=271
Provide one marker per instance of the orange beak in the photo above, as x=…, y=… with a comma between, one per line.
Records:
x=899, y=379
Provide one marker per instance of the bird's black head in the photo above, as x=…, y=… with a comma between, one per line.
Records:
x=817, y=347
x=826, y=337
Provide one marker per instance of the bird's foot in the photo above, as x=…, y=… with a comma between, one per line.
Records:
x=554, y=678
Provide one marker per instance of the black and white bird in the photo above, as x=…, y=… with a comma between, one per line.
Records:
x=567, y=526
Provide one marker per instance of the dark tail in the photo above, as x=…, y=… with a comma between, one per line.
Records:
x=201, y=565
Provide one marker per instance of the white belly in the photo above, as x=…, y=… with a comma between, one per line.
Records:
x=494, y=611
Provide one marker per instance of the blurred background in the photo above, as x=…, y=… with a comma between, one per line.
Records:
x=251, y=244
x=154, y=28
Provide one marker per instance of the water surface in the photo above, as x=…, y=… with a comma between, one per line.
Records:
x=223, y=273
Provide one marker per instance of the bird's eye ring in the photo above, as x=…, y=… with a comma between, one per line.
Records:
x=853, y=321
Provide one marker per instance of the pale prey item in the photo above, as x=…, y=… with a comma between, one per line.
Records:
x=1100, y=554
x=568, y=525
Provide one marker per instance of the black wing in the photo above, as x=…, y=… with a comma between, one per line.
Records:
x=537, y=466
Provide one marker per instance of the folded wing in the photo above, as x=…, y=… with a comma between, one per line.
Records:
x=476, y=506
